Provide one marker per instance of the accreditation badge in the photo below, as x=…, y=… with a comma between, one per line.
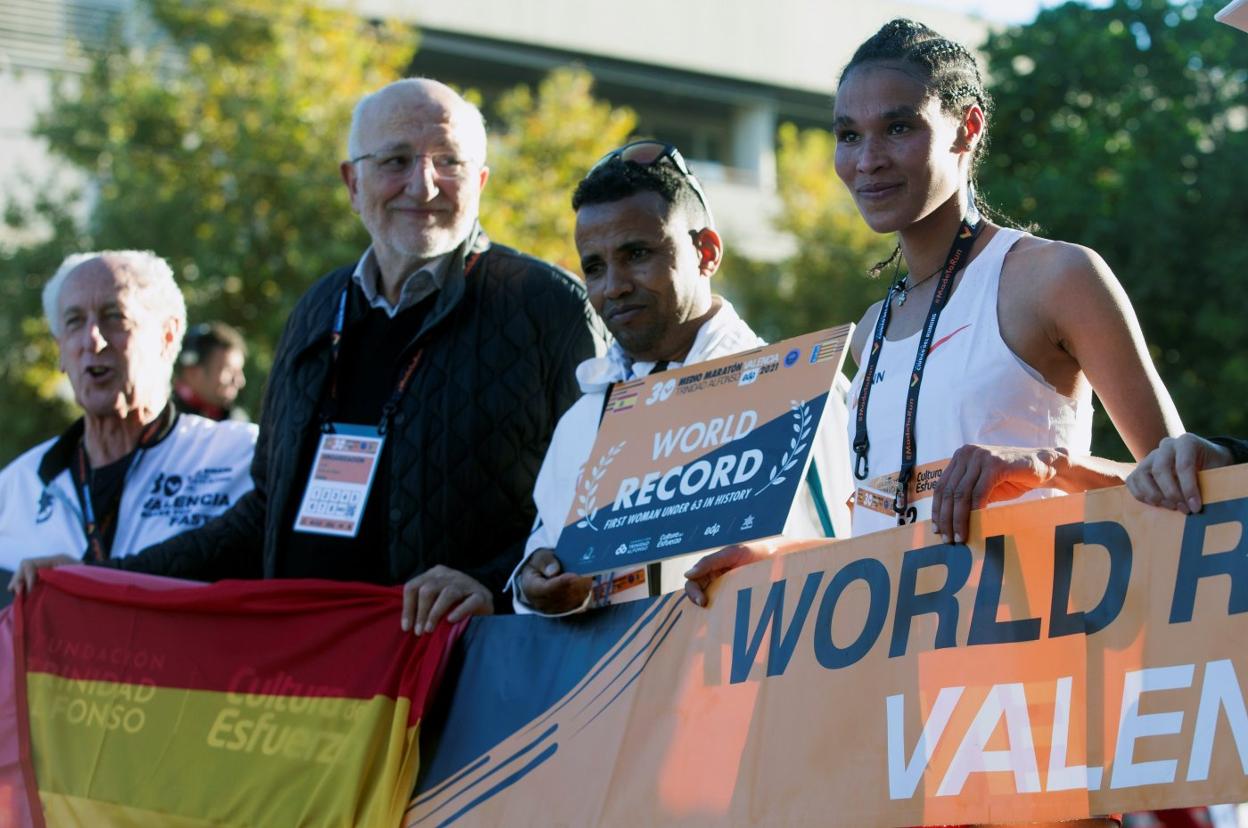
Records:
x=342, y=476
x=876, y=495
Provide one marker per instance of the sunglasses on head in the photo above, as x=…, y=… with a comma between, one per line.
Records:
x=649, y=153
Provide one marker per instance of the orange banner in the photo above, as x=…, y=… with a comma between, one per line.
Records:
x=1079, y=656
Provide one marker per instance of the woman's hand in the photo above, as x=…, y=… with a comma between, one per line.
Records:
x=979, y=475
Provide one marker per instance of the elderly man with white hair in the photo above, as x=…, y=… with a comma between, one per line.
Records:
x=414, y=391
x=132, y=471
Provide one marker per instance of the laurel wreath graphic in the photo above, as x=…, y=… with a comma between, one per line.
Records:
x=801, y=432
x=587, y=500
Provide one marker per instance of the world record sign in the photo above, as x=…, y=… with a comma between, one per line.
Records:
x=702, y=456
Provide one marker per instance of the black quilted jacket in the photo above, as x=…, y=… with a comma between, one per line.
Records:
x=500, y=350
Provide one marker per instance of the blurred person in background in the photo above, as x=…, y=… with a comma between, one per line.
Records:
x=209, y=374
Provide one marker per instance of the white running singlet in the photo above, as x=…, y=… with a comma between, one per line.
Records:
x=975, y=390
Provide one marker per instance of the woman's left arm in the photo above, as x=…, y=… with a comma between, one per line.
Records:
x=1084, y=312
x=1095, y=323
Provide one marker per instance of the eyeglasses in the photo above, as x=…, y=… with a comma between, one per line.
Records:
x=398, y=163
x=649, y=153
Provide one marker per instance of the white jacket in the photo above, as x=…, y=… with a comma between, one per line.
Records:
x=723, y=334
x=196, y=472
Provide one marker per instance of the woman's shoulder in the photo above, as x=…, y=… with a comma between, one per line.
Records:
x=1053, y=255
x=1054, y=265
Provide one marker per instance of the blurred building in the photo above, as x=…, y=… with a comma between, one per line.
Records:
x=36, y=38
x=714, y=77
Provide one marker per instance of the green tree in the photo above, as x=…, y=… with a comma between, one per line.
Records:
x=1124, y=129
x=215, y=141
x=547, y=140
x=32, y=399
x=824, y=282
x=212, y=138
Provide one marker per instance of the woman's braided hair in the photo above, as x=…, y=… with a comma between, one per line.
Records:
x=945, y=67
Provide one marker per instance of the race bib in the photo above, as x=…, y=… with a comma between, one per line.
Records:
x=342, y=476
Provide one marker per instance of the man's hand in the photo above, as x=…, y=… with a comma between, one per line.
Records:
x=1167, y=476
x=979, y=475
x=545, y=587
x=27, y=572
x=439, y=591
x=699, y=577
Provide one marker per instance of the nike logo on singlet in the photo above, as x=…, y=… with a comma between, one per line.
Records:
x=946, y=338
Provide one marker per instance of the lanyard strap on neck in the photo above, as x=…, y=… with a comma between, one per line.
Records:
x=968, y=231
x=335, y=354
x=99, y=545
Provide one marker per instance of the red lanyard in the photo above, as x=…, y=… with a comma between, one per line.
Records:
x=335, y=353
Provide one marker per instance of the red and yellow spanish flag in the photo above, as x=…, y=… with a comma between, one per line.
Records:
x=158, y=702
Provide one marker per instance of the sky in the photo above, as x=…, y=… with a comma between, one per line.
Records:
x=1002, y=11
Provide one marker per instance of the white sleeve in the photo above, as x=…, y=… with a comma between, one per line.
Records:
x=555, y=487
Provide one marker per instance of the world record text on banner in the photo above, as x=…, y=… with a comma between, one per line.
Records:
x=701, y=456
x=1078, y=656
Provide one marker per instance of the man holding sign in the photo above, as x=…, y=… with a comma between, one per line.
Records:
x=648, y=249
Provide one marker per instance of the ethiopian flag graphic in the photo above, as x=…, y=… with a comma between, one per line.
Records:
x=159, y=702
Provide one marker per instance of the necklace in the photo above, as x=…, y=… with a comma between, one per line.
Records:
x=903, y=289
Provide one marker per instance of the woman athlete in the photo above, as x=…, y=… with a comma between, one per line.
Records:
x=985, y=353
x=976, y=371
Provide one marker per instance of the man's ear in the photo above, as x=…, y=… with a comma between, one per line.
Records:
x=169, y=337
x=710, y=250
x=349, y=177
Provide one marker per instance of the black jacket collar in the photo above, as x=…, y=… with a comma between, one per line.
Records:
x=322, y=302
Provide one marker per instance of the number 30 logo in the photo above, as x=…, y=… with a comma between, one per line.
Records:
x=661, y=392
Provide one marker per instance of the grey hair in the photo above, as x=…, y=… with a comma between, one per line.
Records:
x=472, y=115
x=151, y=276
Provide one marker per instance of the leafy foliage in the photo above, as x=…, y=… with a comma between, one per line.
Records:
x=211, y=137
x=214, y=139
x=547, y=141
x=1123, y=129
x=824, y=282
x=33, y=395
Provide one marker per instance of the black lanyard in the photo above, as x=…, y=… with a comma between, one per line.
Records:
x=335, y=351
x=968, y=231
x=99, y=546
